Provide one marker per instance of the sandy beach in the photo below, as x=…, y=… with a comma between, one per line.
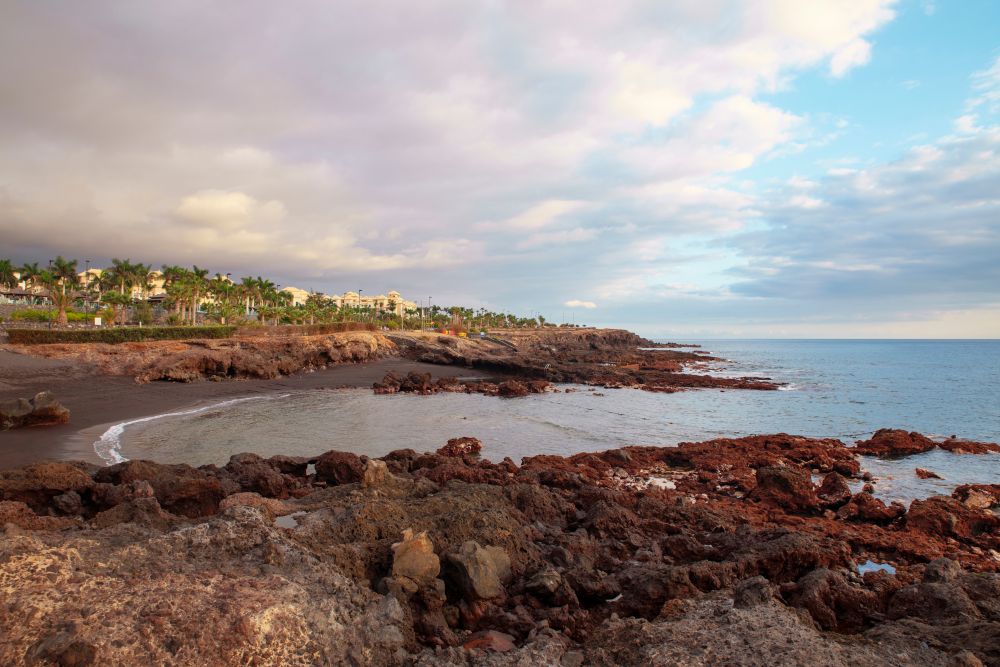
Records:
x=96, y=400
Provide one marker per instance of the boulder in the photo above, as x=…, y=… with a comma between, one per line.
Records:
x=20, y=515
x=256, y=475
x=833, y=602
x=959, y=446
x=923, y=473
x=978, y=496
x=376, y=474
x=39, y=483
x=864, y=507
x=789, y=488
x=179, y=489
x=340, y=468
x=752, y=592
x=476, y=572
x=42, y=410
x=834, y=490
x=894, y=443
x=414, y=557
x=947, y=517
x=460, y=447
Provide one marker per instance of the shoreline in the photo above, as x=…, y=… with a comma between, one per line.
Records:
x=97, y=402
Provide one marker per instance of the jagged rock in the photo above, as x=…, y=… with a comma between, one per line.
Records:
x=414, y=557
x=978, y=496
x=834, y=490
x=179, y=488
x=832, y=601
x=512, y=389
x=460, y=447
x=20, y=515
x=376, y=474
x=866, y=507
x=788, y=488
x=476, y=572
x=959, y=446
x=947, y=517
x=894, y=443
x=39, y=483
x=340, y=467
x=68, y=503
x=144, y=512
x=254, y=474
x=927, y=474
x=271, y=506
x=41, y=410
x=752, y=592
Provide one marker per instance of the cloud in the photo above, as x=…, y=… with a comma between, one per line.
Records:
x=850, y=56
x=576, y=303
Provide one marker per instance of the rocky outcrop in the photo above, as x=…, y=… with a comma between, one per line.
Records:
x=707, y=552
x=41, y=410
x=894, y=443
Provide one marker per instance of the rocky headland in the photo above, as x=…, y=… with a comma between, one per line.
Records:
x=732, y=551
x=605, y=357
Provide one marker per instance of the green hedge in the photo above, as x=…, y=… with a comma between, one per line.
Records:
x=116, y=334
x=47, y=316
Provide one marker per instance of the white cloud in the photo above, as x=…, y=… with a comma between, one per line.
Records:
x=849, y=56
x=576, y=303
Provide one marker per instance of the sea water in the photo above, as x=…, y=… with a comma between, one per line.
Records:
x=841, y=389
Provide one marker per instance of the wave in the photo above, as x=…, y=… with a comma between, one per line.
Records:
x=108, y=446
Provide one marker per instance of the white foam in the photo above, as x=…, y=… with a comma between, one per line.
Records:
x=108, y=446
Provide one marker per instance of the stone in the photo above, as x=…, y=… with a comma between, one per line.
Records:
x=789, y=488
x=459, y=447
x=834, y=490
x=490, y=640
x=894, y=443
x=927, y=474
x=179, y=488
x=544, y=583
x=864, y=507
x=41, y=410
x=475, y=571
x=376, y=474
x=512, y=389
x=752, y=592
x=414, y=557
x=340, y=468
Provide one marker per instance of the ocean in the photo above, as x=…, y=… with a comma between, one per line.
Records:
x=845, y=389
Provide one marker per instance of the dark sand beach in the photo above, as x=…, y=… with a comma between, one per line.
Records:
x=95, y=399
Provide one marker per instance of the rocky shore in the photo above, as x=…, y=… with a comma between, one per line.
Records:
x=733, y=551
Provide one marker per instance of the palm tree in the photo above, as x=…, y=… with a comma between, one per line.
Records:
x=62, y=275
x=7, y=277
x=31, y=274
x=197, y=278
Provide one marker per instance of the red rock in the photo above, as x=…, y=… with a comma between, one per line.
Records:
x=788, y=488
x=512, y=389
x=893, y=443
x=834, y=491
x=867, y=508
x=39, y=483
x=927, y=474
x=832, y=601
x=978, y=496
x=959, y=446
x=180, y=489
x=465, y=446
x=42, y=410
x=490, y=640
x=340, y=467
x=947, y=517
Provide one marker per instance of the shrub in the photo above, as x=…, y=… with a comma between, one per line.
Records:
x=115, y=335
x=46, y=316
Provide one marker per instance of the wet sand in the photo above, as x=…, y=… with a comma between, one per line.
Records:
x=97, y=400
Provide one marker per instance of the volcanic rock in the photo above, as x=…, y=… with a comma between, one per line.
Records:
x=42, y=410
x=37, y=484
x=978, y=496
x=894, y=443
x=376, y=473
x=959, y=446
x=947, y=517
x=179, y=488
x=834, y=490
x=833, y=603
x=512, y=389
x=465, y=446
x=490, y=640
x=927, y=474
x=340, y=467
x=867, y=508
x=414, y=557
x=476, y=572
x=786, y=487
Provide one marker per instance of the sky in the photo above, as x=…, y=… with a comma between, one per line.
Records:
x=686, y=169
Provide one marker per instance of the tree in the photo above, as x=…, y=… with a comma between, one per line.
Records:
x=62, y=276
x=31, y=274
x=118, y=303
x=7, y=277
x=197, y=278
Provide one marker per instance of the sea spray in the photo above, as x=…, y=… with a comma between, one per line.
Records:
x=108, y=446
